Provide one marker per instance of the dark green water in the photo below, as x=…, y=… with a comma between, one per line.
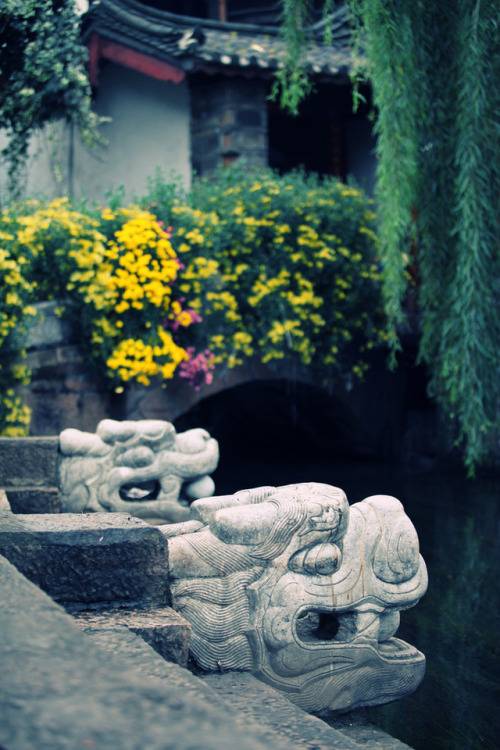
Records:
x=457, y=623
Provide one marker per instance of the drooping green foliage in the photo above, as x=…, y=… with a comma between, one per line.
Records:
x=292, y=82
x=42, y=75
x=434, y=67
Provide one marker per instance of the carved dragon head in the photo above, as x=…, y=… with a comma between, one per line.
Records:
x=141, y=468
x=303, y=590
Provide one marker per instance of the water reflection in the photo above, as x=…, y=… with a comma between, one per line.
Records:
x=456, y=624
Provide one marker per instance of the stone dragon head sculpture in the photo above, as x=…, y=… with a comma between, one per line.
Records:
x=142, y=468
x=303, y=590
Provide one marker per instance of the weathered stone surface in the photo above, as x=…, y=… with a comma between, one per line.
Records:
x=304, y=591
x=139, y=468
x=49, y=328
x=34, y=499
x=266, y=707
x=61, y=689
x=4, y=502
x=88, y=558
x=28, y=462
x=163, y=628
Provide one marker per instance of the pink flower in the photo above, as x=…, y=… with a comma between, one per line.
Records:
x=198, y=369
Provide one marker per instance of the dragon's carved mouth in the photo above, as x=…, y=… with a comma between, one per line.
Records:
x=140, y=491
x=316, y=628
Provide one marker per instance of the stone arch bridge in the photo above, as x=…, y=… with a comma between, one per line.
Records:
x=252, y=409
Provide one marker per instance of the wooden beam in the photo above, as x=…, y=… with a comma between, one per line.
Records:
x=100, y=47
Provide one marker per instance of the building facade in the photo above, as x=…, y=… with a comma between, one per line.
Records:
x=185, y=86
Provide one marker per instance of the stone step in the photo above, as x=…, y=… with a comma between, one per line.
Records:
x=91, y=559
x=34, y=499
x=29, y=462
x=161, y=627
x=62, y=689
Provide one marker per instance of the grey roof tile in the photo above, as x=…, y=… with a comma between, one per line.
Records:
x=195, y=44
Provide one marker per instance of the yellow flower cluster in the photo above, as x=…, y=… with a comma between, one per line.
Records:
x=119, y=271
x=133, y=359
x=264, y=286
x=289, y=266
x=275, y=267
x=131, y=278
x=139, y=276
x=14, y=311
x=16, y=416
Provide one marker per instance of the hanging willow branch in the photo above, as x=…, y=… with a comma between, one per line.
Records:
x=434, y=67
x=292, y=83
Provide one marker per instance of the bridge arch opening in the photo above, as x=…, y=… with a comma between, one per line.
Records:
x=273, y=432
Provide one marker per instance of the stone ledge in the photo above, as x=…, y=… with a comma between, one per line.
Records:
x=29, y=461
x=34, y=499
x=89, y=559
x=63, y=689
x=161, y=627
x=48, y=328
x=266, y=707
x=60, y=691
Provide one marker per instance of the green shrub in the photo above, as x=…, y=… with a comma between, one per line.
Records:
x=273, y=268
x=15, y=311
x=282, y=268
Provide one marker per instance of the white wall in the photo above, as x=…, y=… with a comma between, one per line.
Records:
x=149, y=128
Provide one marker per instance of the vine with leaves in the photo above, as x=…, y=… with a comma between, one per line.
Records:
x=42, y=77
x=434, y=67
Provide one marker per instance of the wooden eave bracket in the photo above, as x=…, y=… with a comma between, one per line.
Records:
x=100, y=47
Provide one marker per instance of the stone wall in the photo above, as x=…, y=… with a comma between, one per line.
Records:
x=63, y=392
x=228, y=121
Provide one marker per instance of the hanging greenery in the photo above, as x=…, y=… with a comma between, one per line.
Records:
x=434, y=67
x=42, y=76
x=291, y=83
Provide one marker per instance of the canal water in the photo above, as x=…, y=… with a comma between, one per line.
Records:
x=457, y=623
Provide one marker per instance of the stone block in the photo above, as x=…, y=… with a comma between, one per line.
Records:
x=48, y=328
x=59, y=689
x=34, y=499
x=55, y=359
x=57, y=409
x=162, y=628
x=28, y=462
x=249, y=118
x=89, y=559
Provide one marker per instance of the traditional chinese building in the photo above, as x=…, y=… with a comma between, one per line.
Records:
x=186, y=86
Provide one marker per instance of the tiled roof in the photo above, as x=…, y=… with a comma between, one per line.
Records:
x=199, y=44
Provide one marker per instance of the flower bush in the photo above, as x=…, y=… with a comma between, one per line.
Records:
x=115, y=273
x=127, y=285
x=283, y=269
x=15, y=293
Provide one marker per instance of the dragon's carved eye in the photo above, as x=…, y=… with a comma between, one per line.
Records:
x=321, y=559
